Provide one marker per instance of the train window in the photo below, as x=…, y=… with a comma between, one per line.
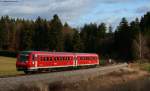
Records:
x=82, y=58
x=41, y=59
x=61, y=58
x=50, y=58
x=89, y=58
x=32, y=57
x=92, y=58
x=55, y=58
x=46, y=59
x=86, y=58
x=65, y=58
x=23, y=57
x=95, y=58
x=68, y=58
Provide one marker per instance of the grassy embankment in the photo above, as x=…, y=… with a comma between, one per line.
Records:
x=122, y=80
x=8, y=66
x=142, y=66
x=145, y=66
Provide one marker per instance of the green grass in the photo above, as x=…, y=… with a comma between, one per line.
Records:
x=8, y=66
x=145, y=66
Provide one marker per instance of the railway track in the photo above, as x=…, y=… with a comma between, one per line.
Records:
x=7, y=84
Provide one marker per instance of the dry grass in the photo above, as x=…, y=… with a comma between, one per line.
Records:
x=32, y=87
x=116, y=81
x=135, y=85
x=8, y=66
x=145, y=66
x=141, y=66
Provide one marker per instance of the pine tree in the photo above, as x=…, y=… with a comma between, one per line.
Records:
x=123, y=40
x=68, y=44
x=88, y=37
x=136, y=38
x=77, y=44
x=26, y=39
x=40, y=34
x=102, y=30
x=55, y=34
x=110, y=30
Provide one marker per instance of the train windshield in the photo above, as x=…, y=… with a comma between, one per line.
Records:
x=23, y=58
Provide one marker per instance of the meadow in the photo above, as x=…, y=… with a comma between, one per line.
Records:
x=8, y=67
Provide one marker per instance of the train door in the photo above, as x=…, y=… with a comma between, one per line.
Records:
x=75, y=60
x=35, y=61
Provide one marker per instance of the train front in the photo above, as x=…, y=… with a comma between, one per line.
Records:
x=22, y=63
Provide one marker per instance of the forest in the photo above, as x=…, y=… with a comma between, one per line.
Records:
x=129, y=41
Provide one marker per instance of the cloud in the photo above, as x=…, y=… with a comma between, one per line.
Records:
x=142, y=9
x=76, y=12
x=116, y=1
x=32, y=7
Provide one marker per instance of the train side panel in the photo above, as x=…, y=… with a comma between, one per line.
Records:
x=87, y=59
x=54, y=60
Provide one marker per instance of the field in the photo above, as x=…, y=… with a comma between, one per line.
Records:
x=8, y=66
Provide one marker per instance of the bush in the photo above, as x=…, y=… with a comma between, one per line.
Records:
x=8, y=53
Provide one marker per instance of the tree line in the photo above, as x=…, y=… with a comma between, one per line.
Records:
x=130, y=40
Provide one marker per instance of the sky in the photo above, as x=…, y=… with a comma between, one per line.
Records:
x=76, y=12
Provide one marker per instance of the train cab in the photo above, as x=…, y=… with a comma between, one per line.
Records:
x=23, y=61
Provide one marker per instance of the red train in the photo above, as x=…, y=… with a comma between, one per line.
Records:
x=29, y=61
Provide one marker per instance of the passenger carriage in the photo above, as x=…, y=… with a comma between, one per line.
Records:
x=31, y=61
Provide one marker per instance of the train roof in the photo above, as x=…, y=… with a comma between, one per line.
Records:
x=57, y=53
